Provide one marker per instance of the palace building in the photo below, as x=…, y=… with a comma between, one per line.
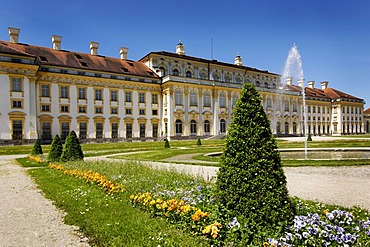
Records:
x=49, y=91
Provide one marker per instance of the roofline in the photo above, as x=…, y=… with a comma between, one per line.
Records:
x=203, y=60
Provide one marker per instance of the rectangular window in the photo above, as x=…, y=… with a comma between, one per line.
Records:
x=319, y=109
x=65, y=130
x=113, y=95
x=193, y=99
x=154, y=98
x=82, y=93
x=46, y=131
x=142, y=112
x=142, y=130
x=16, y=84
x=45, y=90
x=128, y=96
x=17, y=130
x=98, y=110
x=64, y=92
x=17, y=104
x=45, y=108
x=98, y=94
x=64, y=108
x=141, y=97
x=99, y=130
x=154, y=112
x=82, y=109
x=128, y=111
x=128, y=130
x=155, y=130
x=313, y=109
x=114, y=130
x=83, y=130
x=309, y=109
x=114, y=110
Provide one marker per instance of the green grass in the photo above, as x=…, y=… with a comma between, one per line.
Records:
x=30, y=163
x=108, y=220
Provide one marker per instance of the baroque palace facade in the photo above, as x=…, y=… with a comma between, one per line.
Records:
x=49, y=91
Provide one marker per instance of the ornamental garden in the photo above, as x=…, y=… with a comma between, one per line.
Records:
x=117, y=203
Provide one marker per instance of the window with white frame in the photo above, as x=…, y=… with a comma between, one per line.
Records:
x=128, y=97
x=206, y=100
x=82, y=93
x=178, y=97
x=45, y=90
x=235, y=99
x=154, y=98
x=98, y=94
x=16, y=85
x=141, y=97
x=178, y=125
x=64, y=92
x=193, y=98
x=113, y=95
x=222, y=100
x=193, y=128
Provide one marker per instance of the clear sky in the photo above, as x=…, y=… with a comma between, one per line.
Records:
x=333, y=36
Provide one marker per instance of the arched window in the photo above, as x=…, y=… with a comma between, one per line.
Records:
x=238, y=80
x=266, y=84
x=178, y=127
x=286, y=105
x=235, y=99
x=163, y=70
x=269, y=105
x=294, y=128
x=274, y=85
x=175, y=72
x=178, y=97
x=227, y=79
x=207, y=128
x=206, y=100
x=286, y=128
x=222, y=126
x=193, y=128
x=222, y=100
x=258, y=84
x=216, y=77
x=278, y=128
x=188, y=74
x=202, y=75
x=193, y=98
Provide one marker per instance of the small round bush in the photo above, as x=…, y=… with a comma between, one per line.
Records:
x=199, y=142
x=166, y=143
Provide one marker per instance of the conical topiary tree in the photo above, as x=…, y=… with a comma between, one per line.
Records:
x=56, y=149
x=37, y=149
x=72, y=149
x=309, y=137
x=166, y=143
x=199, y=142
x=251, y=181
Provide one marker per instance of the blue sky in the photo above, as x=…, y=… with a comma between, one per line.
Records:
x=333, y=36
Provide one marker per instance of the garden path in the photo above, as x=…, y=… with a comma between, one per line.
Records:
x=27, y=218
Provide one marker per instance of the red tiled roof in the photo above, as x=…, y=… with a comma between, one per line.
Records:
x=61, y=58
x=329, y=93
x=367, y=111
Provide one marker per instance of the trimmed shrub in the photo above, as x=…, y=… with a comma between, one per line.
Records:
x=37, y=149
x=199, y=142
x=251, y=183
x=56, y=149
x=72, y=149
x=166, y=143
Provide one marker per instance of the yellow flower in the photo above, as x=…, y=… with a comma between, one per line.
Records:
x=326, y=211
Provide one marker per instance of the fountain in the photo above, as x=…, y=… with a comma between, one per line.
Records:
x=293, y=69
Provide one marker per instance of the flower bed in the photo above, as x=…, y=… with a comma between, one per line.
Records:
x=93, y=177
x=38, y=159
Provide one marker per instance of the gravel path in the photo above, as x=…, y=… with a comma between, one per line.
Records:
x=27, y=218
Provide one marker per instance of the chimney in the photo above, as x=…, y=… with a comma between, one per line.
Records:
x=238, y=60
x=57, y=41
x=180, y=48
x=311, y=84
x=324, y=85
x=14, y=34
x=94, y=48
x=123, y=53
x=289, y=81
x=301, y=83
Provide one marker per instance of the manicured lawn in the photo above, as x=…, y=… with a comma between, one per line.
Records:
x=113, y=220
